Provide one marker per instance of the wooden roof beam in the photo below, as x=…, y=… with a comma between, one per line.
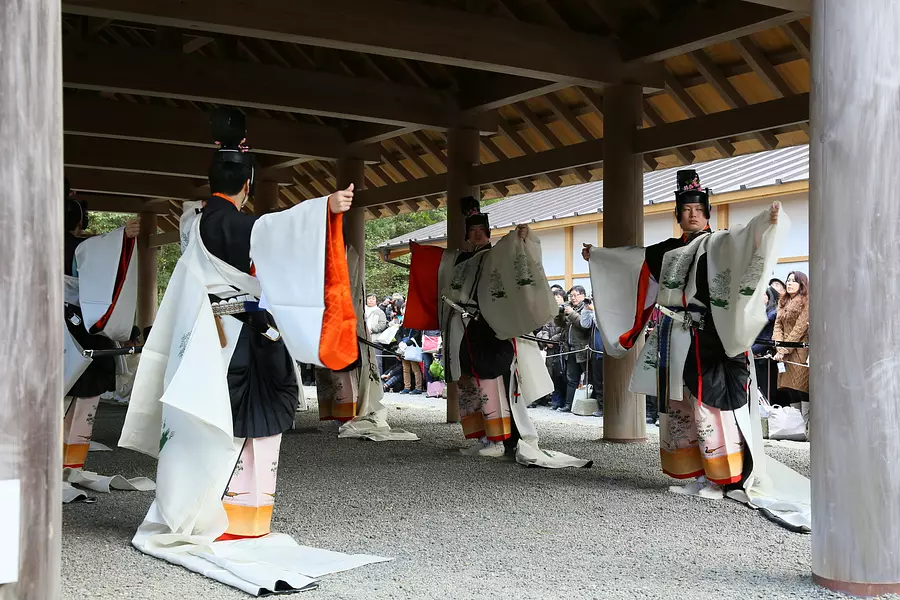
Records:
x=729, y=94
x=140, y=157
x=124, y=204
x=538, y=126
x=199, y=79
x=763, y=68
x=565, y=114
x=136, y=184
x=700, y=26
x=90, y=115
x=803, y=6
x=398, y=29
x=692, y=109
x=730, y=123
x=799, y=38
x=413, y=156
x=430, y=147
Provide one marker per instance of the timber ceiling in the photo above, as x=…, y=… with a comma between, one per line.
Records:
x=384, y=80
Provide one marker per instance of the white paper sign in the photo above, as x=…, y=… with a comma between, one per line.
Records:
x=10, y=508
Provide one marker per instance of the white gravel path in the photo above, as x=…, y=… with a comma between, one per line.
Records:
x=463, y=527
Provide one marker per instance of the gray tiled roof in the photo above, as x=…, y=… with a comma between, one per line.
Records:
x=725, y=175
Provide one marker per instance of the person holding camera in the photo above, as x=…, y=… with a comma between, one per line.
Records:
x=577, y=339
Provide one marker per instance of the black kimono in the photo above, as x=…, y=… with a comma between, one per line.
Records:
x=261, y=377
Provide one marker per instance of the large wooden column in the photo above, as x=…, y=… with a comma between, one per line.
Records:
x=148, y=269
x=854, y=252
x=352, y=170
x=31, y=354
x=624, y=413
x=462, y=154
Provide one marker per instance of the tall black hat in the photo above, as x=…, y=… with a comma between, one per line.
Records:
x=229, y=129
x=689, y=191
x=471, y=210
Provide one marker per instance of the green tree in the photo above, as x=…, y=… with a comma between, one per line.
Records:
x=104, y=222
x=383, y=278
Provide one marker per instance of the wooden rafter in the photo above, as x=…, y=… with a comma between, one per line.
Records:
x=730, y=123
x=799, y=38
x=728, y=92
x=413, y=156
x=698, y=27
x=316, y=177
x=397, y=29
x=607, y=13
x=763, y=68
x=692, y=109
x=136, y=184
x=92, y=116
x=565, y=114
x=538, y=126
x=804, y=6
x=430, y=147
x=246, y=84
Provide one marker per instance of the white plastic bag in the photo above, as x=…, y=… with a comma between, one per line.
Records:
x=786, y=423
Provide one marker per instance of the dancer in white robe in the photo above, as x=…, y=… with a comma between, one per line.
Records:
x=484, y=300
x=216, y=385
x=100, y=281
x=708, y=287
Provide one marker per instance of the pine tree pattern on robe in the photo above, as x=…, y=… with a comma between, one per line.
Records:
x=497, y=289
x=719, y=289
x=753, y=274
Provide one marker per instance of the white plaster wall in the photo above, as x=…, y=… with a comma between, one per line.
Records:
x=553, y=248
x=585, y=282
x=658, y=228
x=582, y=234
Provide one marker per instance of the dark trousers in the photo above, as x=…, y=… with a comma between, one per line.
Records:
x=596, y=373
x=574, y=371
x=652, y=407
x=767, y=371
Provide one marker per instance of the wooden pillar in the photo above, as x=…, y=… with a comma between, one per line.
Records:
x=352, y=170
x=462, y=155
x=31, y=245
x=265, y=199
x=624, y=413
x=854, y=379
x=148, y=269
x=569, y=261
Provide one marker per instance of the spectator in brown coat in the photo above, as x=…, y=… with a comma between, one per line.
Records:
x=792, y=325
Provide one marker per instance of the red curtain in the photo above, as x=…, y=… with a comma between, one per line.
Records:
x=422, y=297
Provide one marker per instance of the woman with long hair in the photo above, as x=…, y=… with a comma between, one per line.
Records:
x=792, y=325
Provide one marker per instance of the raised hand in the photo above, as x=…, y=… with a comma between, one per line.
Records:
x=586, y=251
x=341, y=200
x=773, y=212
x=132, y=228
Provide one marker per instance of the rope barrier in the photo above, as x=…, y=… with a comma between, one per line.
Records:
x=585, y=349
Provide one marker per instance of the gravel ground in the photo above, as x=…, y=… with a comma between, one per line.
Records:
x=461, y=527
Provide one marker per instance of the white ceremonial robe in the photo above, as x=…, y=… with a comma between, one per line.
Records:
x=185, y=420
x=514, y=297
x=739, y=261
x=98, y=260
